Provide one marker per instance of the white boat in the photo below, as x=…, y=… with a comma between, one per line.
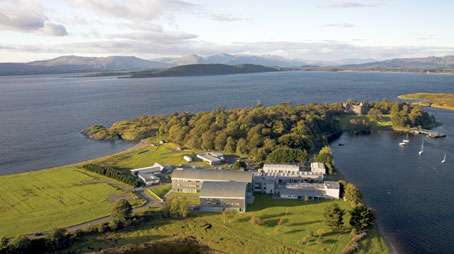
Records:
x=444, y=159
x=406, y=140
x=422, y=148
x=402, y=143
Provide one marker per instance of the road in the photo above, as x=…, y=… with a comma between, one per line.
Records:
x=149, y=202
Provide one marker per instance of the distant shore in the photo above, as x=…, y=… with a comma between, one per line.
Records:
x=434, y=100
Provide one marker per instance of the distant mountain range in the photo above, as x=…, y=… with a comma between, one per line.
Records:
x=78, y=64
x=75, y=64
x=203, y=70
x=446, y=62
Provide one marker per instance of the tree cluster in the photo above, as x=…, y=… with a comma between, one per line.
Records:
x=402, y=114
x=115, y=173
x=295, y=130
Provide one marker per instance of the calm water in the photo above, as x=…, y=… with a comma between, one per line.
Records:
x=41, y=116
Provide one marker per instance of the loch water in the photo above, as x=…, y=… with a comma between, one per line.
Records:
x=41, y=117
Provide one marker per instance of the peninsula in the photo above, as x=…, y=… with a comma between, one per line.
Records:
x=435, y=100
x=202, y=70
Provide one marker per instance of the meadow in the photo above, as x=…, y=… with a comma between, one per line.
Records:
x=52, y=198
x=48, y=199
x=285, y=226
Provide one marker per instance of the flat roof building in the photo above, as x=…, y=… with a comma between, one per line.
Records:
x=211, y=158
x=286, y=169
x=220, y=196
x=149, y=175
x=191, y=179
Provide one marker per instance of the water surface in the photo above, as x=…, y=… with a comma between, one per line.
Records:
x=41, y=116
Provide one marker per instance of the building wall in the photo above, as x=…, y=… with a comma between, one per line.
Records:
x=334, y=193
x=220, y=204
x=188, y=186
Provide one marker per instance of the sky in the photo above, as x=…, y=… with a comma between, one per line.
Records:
x=316, y=30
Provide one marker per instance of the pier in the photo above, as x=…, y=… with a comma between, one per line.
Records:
x=428, y=133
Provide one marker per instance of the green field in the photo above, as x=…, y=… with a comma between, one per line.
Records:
x=285, y=223
x=144, y=156
x=436, y=100
x=161, y=190
x=65, y=196
x=46, y=199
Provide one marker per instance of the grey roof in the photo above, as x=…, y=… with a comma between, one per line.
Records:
x=223, y=189
x=213, y=175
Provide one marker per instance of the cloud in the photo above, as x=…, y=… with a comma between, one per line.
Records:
x=354, y=3
x=340, y=25
x=133, y=9
x=224, y=17
x=23, y=17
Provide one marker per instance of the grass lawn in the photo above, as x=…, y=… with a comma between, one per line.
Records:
x=144, y=156
x=46, y=199
x=64, y=196
x=161, y=190
x=285, y=223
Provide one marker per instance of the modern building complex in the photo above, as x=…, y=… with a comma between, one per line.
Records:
x=228, y=189
x=219, y=189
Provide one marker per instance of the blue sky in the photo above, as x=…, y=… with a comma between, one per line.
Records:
x=322, y=30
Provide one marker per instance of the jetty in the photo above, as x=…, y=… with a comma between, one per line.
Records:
x=428, y=133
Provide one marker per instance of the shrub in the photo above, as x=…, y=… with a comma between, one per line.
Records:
x=115, y=173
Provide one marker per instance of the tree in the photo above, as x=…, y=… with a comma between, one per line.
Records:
x=287, y=155
x=361, y=218
x=334, y=217
x=20, y=244
x=220, y=141
x=230, y=145
x=352, y=194
x=58, y=239
x=241, y=146
x=177, y=207
x=325, y=156
x=122, y=209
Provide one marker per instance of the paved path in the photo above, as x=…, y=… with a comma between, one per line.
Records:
x=140, y=192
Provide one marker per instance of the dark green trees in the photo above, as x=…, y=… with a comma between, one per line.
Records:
x=361, y=218
x=122, y=210
x=334, y=217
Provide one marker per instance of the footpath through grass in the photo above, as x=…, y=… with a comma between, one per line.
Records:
x=46, y=199
x=283, y=224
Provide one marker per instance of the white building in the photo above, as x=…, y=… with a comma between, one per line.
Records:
x=327, y=190
x=281, y=169
x=149, y=175
x=318, y=168
x=211, y=158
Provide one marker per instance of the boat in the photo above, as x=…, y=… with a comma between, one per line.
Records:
x=444, y=159
x=406, y=140
x=422, y=148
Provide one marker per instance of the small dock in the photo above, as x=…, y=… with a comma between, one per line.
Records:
x=428, y=133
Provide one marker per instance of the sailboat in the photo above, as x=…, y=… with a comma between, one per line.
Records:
x=405, y=141
x=422, y=148
x=444, y=159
